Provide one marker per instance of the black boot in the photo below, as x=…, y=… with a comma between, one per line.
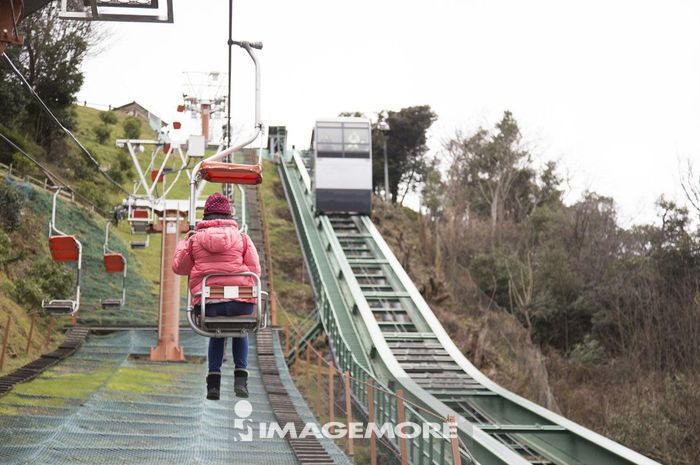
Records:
x=240, y=383
x=213, y=386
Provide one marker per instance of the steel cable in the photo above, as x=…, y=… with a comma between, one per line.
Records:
x=50, y=175
x=66, y=130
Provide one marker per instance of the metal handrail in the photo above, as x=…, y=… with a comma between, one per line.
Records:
x=346, y=360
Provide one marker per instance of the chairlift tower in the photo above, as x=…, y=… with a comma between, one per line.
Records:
x=150, y=212
x=204, y=98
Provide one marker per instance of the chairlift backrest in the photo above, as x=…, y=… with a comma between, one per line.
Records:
x=231, y=173
x=114, y=262
x=64, y=248
x=140, y=214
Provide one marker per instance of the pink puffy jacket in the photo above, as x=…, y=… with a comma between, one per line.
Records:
x=217, y=247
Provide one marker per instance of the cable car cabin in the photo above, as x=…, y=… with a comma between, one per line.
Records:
x=342, y=165
x=230, y=173
x=64, y=248
x=225, y=326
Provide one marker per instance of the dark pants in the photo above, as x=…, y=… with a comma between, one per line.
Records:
x=239, y=345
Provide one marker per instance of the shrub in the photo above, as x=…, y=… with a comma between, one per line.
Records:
x=132, y=128
x=28, y=292
x=102, y=133
x=589, y=351
x=5, y=248
x=11, y=203
x=124, y=162
x=115, y=173
x=108, y=117
x=22, y=166
x=95, y=193
x=46, y=279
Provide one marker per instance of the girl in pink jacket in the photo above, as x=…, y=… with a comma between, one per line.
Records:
x=217, y=246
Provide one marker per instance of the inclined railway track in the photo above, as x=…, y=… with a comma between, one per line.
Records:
x=384, y=318
x=418, y=353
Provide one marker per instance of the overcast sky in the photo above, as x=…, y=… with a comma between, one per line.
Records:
x=610, y=89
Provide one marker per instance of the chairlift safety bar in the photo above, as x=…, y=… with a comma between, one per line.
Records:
x=198, y=323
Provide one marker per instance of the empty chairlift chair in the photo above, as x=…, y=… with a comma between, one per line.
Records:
x=140, y=221
x=64, y=248
x=114, y=262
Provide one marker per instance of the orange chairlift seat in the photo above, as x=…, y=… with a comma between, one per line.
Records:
x=114, y=263
x=154, y=174
x=64, y=248
x=230, y=173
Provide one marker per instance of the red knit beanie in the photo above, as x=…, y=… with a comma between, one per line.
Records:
x=217, y=204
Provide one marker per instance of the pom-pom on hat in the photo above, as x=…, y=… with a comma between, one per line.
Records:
x=217, y=204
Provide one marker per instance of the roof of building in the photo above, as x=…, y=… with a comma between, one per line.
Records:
x=140, y=107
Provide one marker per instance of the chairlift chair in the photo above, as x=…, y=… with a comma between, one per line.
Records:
x=225, y=326
x=64, y=248
x=140, y=220
x=114, y=263
x=215, y=169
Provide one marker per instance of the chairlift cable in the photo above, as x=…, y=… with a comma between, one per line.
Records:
x=46, y=171
x=53, y=177
x=230, y=54
x=66, y=130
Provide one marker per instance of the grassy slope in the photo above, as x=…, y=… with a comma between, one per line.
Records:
x=144, y=265
x=143, y=273
x=293, y=291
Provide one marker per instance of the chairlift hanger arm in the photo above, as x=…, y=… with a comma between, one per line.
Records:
x=248, y=46
x=258, y=123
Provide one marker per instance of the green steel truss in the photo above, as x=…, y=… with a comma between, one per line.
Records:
x=380, y=327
